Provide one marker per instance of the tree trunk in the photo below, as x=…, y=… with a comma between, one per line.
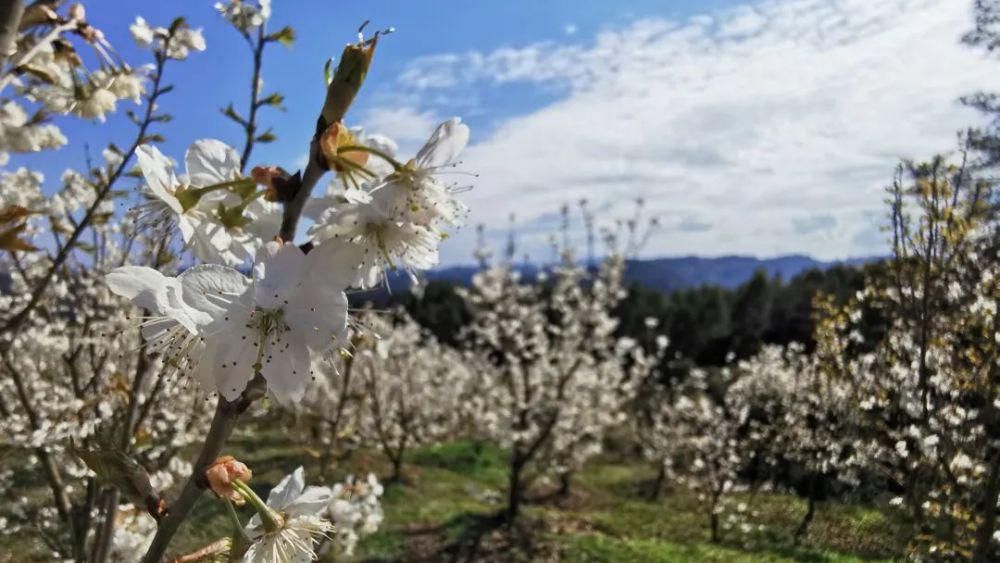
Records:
x=565, y=481
x=105, y=535
x=397, y=469
x=514, y=492
x=984, y=534
x=800, y=531
x=661, y=477
x=714, y=523
x=714, y=518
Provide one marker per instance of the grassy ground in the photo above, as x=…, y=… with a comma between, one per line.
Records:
x=445, y=511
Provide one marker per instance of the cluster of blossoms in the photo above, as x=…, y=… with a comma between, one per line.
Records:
x=218, y=213
x=51, y=79
x=397, y=388
x=245, y=16
x=702, y=441
x=781, y=415
x=355, y=510
x=99, y=411
x=76, y=374
x=295, y=523
x=926, y=382
x=175, y=42
x=223, y=328
x=550, y=376
x=397, y=220
x=412, y=388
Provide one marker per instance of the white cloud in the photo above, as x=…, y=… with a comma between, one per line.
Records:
x=569, y=29
x=771, y=128
x=406, y=125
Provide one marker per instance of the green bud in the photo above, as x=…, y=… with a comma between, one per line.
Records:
x=347, y=81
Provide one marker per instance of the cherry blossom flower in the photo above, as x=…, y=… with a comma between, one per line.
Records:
x=383, y=243
x=225, y=329
x=355, y=510
x=415, y=192
x=245, y=15
x=297, y=524
x=397, y=221
x=179, y=309
x=293, y=309
x=190, y=201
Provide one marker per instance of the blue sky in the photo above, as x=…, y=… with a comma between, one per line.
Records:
x=752, y=127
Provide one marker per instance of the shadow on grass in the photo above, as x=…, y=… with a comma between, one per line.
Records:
x=472, y=537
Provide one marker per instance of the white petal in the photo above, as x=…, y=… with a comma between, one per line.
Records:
x=286, y=367
x=210, y=161
x=445, y=144
x=158, y=172
x=232, y=353
x=278, y=273
x=151, y=290
x=144, y=286
x=335, y=263
x=289, y=489
x=317, y=315
x=312, y=501
x=212, y=243
x=211, y=288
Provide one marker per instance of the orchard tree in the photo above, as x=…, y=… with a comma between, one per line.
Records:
x=413, y=388
x=928, y=385
x=550, y=376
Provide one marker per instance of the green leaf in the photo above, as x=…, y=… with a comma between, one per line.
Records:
x=328, y=71
x=115, y=468
x=230, y=112
x=274, y=99
x=266, y=137
x=285, y=36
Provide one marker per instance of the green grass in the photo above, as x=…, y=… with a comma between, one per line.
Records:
x=444, y=508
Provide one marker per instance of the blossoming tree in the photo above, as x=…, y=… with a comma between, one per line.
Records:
x=135, y=384
x=550, y=376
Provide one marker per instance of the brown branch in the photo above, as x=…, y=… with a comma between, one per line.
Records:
x=15, y=322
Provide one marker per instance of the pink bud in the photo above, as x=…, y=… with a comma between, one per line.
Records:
x=223, y=472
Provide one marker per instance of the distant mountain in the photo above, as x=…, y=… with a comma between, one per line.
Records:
x=665, y=274
x=671, y=274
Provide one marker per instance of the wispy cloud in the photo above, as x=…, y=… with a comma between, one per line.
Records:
x=771, y=127
x=407, y=126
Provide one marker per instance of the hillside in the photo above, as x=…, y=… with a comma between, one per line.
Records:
x=673, y=273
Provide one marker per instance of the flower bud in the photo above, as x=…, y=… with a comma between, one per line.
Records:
x=266, y=176
x=347, y=79
x=77, y=12
x=223, y=472
x=333, y=138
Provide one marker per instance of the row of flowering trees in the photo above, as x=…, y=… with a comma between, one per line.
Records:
x=102, y=399
x=898, y=399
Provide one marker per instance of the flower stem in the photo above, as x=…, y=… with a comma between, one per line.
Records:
x=271, y=519
x=238, y=530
